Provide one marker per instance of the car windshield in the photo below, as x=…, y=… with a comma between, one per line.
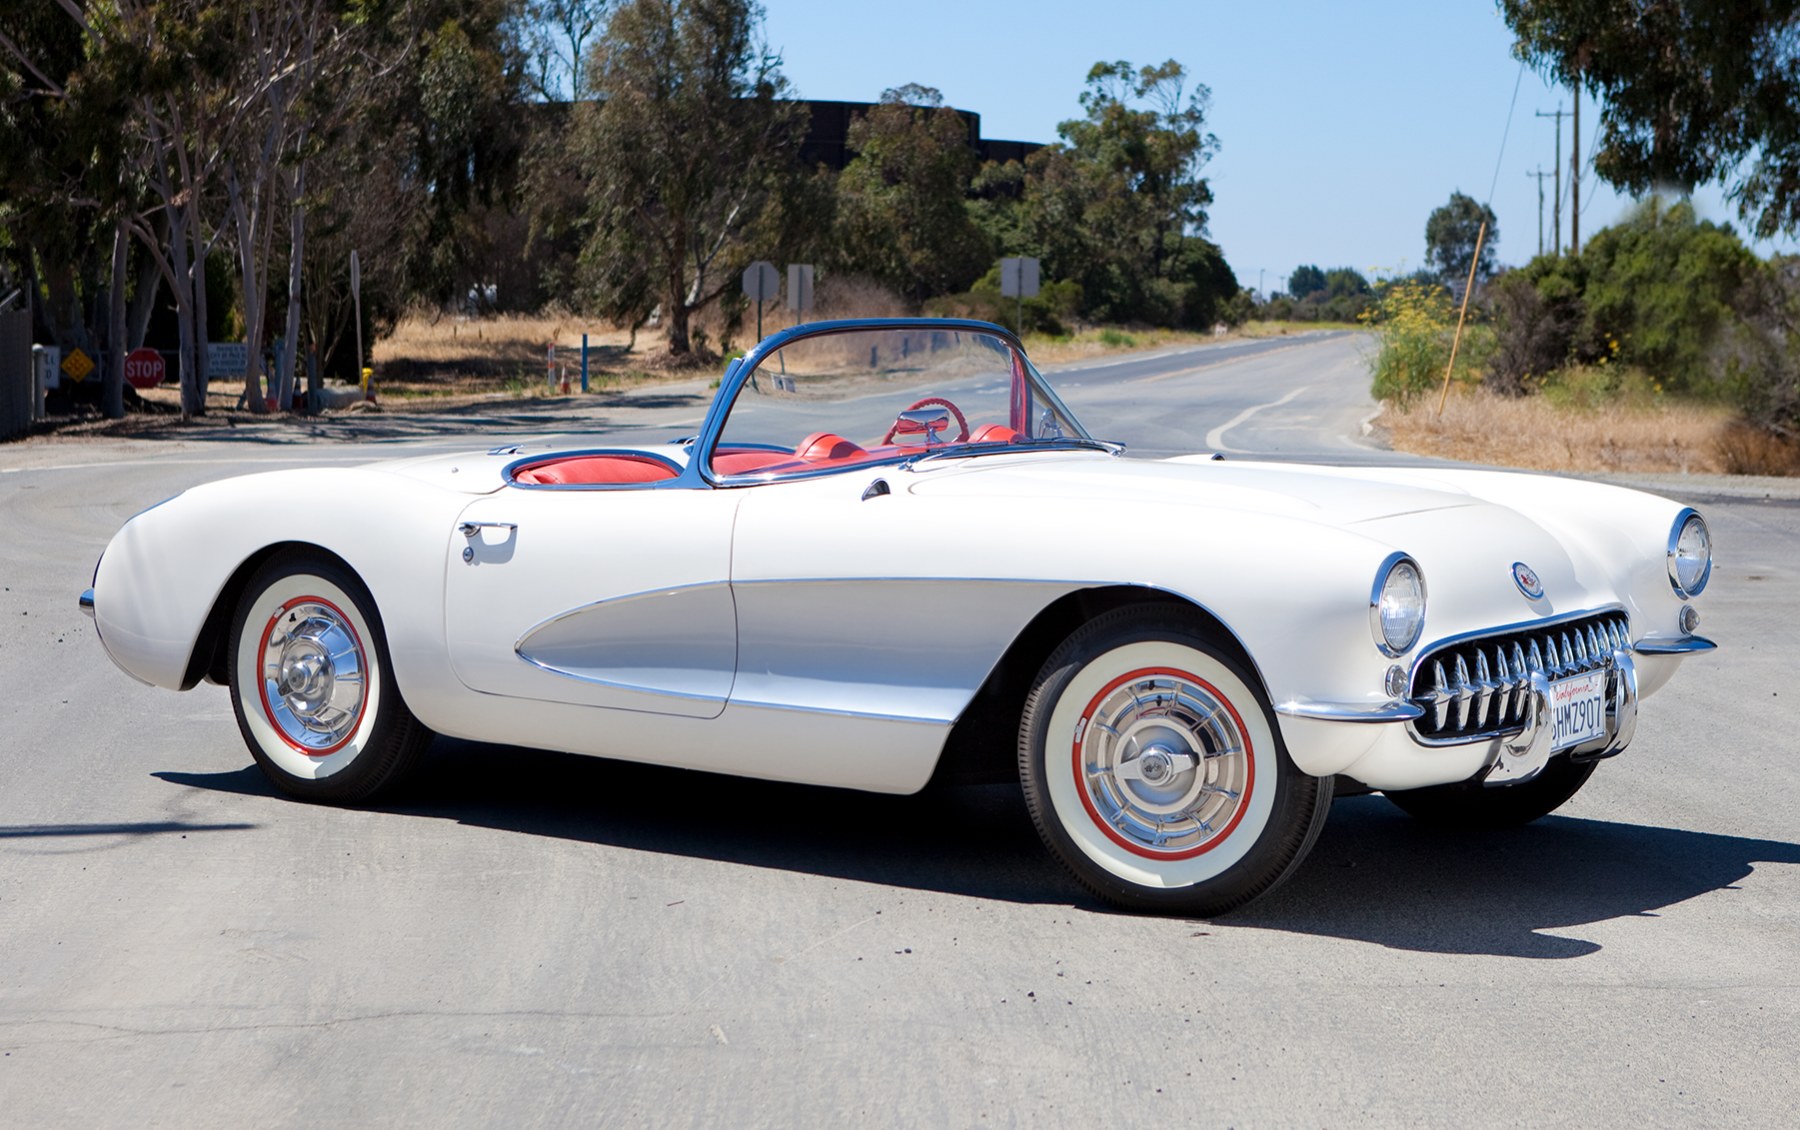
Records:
x=841, y=398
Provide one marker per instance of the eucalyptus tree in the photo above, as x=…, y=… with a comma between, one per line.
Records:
x=690, y=157
x=901, y=212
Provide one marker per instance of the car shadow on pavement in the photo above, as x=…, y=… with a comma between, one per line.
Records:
x=1376, y=875
x=967, y=840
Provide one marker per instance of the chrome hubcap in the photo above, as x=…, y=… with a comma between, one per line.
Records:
x=313, y=676
x=1164, y=762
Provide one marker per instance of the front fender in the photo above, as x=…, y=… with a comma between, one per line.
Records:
x=167, y=570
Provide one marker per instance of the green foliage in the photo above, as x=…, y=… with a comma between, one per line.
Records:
x=1345, y=282
x=1305, y=282
x=1693, y=92
x=1451, y=233
x=1413, y=322
x=1760, y=356
x=1663, y=284
x=1119, y=207
x=1049, y=312
x=901, y=215
x=690, y=158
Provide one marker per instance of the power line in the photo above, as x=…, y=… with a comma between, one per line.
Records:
x=1498, y=159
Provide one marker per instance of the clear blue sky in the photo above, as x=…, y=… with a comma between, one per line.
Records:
x=1341, y=125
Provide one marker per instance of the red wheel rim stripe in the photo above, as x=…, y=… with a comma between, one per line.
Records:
x=1087, y=801
x=262, y=682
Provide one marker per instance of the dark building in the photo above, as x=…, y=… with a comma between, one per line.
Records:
x=828, y=134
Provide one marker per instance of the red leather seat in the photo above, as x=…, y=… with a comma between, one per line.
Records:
x=827, y=447
x=589, y=470
x=993, y=433
x=744, y=462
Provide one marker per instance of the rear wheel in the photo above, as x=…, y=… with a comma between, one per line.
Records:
x=312, y=685
x=1153, y=768
x=1470, y=804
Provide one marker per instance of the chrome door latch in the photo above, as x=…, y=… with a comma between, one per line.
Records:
x=471, y=530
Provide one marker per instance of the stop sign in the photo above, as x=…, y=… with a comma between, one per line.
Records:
x=144, y=368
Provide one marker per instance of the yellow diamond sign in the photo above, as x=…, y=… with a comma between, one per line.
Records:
x=78, y=365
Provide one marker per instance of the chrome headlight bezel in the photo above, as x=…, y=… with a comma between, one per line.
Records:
x=1395, y=633
x=1689, y=568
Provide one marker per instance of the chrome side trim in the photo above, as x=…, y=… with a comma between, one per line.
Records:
x=1392, y=710
x=870, y=715
x=927, y=580
x=87, y=603
x=591, y=680
x=1692, y=645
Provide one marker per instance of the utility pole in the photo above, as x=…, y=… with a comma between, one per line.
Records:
x=1539, y=174
x=1575, y=175
x=1556, y=169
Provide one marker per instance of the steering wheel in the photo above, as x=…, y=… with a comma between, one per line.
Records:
x=962, y=422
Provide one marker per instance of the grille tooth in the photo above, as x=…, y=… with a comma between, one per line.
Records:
x=1536, y=659
x=1464, y=693
x=1568, y=655
x=1581, y=651
x=1441, y=686
x=1484, y=688
x=1505, y=682
x=1521, y=679
x=1596, y=649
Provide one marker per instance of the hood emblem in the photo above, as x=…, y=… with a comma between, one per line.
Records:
x=1527, y=580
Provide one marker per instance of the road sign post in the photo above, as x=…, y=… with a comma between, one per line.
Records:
x=800, y=289
x=356, y=301
x=762, y=282
x=144, y=369
x=1019, y=280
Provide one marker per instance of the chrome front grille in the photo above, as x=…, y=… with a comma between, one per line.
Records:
x=1475, y=687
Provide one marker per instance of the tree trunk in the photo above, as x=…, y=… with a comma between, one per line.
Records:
x=197, y=272
x=244, y=219
x=193, y=400
x=143, y=301
x=296, y=256
x=112, y=391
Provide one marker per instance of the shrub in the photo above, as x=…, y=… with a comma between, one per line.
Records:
x=1533, y=332
x=1414, y=322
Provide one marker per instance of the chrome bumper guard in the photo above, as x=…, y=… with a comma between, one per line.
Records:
x=1524, y=755
x=87, y=603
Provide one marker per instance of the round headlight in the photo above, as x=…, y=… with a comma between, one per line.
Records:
x=1397, y=606
x=1690, y=554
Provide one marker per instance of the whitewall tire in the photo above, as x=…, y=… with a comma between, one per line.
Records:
x=312, y=686
x=1153, y=768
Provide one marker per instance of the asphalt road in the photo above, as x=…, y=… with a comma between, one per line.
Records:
x=530, y=938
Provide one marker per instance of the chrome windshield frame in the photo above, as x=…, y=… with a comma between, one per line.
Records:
x=738, y=374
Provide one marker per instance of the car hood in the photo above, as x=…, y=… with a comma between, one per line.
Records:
x=1338, y=496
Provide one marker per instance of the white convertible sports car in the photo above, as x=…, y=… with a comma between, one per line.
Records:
x=892, y=553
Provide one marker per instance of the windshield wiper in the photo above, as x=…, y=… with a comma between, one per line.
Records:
x=999, y=447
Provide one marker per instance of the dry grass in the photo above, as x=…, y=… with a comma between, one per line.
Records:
x=1747, y=450
x=1481, y=427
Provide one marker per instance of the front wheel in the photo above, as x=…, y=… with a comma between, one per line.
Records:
x=312, y=685
x=1154, y=770
x=1471, y=804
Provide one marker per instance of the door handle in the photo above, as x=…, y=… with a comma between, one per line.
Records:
x=470, y=529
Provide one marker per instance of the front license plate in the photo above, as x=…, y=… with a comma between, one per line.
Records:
x=1577, y=710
